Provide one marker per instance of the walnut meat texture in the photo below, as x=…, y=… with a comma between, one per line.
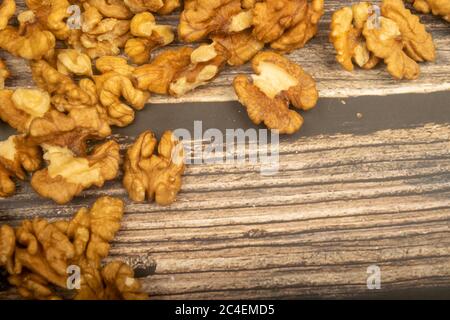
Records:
x=206, y=63
x=68, y=175
x=17, y=157
x=154, y=176
x=346, y=35
x=4, y=74
x=201, y=18
x=29, y=41
x=37, y=254
x=277, y=83
x=157, y=76
x=52, y=14
x=437, y=7
x=117, y=91
x=149, y=36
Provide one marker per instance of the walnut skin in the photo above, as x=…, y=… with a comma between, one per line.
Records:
x=346, y=35
x=206, y=63
x=116, y=9
x=157, y=76
x=154, y=176
x=203, y=17
x=52, y=14
x=242, y=46
x=278, y=83
x=29, y=41
x=418, y=43
x=437, y=7
x=386, y=43
x=298, y=35
x=67, y=175
x=71, y=61
x=4, y=74
x=17, y=156
x=150, y=36
x=37, y=254
x=7, y=10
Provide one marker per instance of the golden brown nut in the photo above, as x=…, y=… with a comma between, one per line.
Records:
x=7, y=10
x=113, y=88
x=169, y=6
x=70, y=130
x=29, y=41
x=154, y=176
x=203, y=17
x=272, y=17
x=65, y=93
x=71, y=61
x=32, y=286
x=437, y=7
x=99, y=36
x=112, y=8
x=346, y=35
x=241, y=46
x=386, y=43
x=278, y=82
x=67, y=175
x=119, y=65
x=17, y=156
x=138, y=6
x=52, y=14
x=418, y=43
x=206, y=63
x=157, y=76
x=299, y=34
x=7, y=247
x=150, y=36
x=4, y=74
x=120, y=282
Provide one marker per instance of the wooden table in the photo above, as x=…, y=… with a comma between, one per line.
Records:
x=366, y=182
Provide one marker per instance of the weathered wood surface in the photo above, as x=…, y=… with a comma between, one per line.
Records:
x=318, y=59
x=339, y=204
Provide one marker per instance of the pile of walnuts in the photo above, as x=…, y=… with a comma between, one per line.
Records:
x=96, y=72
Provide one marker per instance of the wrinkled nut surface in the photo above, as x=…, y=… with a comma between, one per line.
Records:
x=418, y=43
x=67, y=175
x=4, y=74
x=52, y=14
x=28, y=41
x=298, y=35
x=17, y=156
x=157, y=75
x=386, y=43
x=203, y=17
x=437, y=7
x=7, y=10
x=37, y=254
x=70, y=61
x=241, y=46
x=154, y=176
x=346, y=36
x=206, y=63
x=277, y=83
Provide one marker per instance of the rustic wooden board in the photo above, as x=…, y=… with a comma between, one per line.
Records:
x=349, y=194
x=318, y=59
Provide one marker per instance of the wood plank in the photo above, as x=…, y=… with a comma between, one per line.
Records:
x=318, y=59
x=341, y=203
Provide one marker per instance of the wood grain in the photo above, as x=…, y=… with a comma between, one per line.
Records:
x=318, y=59
x=339, y=204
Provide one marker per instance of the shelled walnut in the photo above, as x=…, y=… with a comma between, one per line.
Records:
x=68, y=175
x=397, y=37
x=17, y=156
x=437, y=7
x=29, y=40
x=149, y=37
x=277, y=83
x=52, y=14
x=154, y=176
x=206, y=63
x=71, y=61
x=38, y=253
x=201, y=18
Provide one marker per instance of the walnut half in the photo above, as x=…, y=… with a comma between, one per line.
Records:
x=277, y=83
